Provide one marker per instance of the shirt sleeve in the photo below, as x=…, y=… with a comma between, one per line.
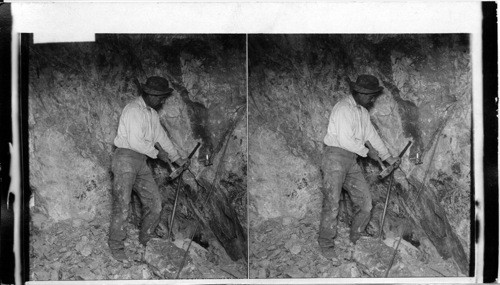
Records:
x=134, y=121
x=344, y=128
x=373, y=137
x=163, y=139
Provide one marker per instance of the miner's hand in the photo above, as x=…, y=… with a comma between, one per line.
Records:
x=163, y=156
x=373, y=154
x=183, y=162
x=393, y=161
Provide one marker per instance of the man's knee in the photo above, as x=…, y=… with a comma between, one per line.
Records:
x=362, y=198
x=367, y=204
x=122, y=188
x=153, y=204
x=156, y=207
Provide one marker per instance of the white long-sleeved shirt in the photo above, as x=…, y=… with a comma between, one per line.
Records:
x=349, y=127
x=139, y=129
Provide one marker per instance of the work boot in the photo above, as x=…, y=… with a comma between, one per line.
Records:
x=358, y=226
x=144, y=239
x=162, y=230
x=330, y=254
x=119, y=255
x=354, y=236
x=373, y=227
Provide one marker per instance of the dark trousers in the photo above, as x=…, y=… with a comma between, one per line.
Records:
x=340, y=170
x=132, y=173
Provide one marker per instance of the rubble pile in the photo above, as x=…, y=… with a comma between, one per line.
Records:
x=78, y=250
x=287, y=248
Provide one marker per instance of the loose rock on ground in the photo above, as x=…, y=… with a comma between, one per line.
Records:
x=291, y=251
x=72, y=250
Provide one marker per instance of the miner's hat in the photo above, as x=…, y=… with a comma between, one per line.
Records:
x=157, y=86
x=366, y=84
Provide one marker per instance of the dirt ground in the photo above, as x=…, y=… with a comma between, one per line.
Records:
x=281, y=248
x=78, y=250
x=287, y=248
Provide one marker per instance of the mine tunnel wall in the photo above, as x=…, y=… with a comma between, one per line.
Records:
x=78, y=90
x=294, y=82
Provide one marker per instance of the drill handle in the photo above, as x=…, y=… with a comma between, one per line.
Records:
x=194, y=150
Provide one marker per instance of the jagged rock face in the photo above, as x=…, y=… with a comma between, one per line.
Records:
x=78, y=90
x=287, y=187
x=295, y=80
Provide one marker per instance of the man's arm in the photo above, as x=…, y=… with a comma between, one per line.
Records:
x=373, y=137
x=165, y=142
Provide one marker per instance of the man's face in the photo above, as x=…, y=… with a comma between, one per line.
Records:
x=155, y=102
x=366, y=100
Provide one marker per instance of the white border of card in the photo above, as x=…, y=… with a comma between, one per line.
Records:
x=58, y=21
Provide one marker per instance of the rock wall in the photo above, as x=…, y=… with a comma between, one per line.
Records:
x=281, y=184
x=77, y=92
x=295, y=80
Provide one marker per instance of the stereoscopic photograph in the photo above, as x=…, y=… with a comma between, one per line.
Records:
x=137, y=157
x=360, y=156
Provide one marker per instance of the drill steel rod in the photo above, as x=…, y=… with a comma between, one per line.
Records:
x=209, y=194
x=385, y=207
x=389, y=193
x=404, y=150
x=195, y=230
x=187, y=251
x=174, y=174
x=393, y=257
x=194, y=150
x=423, y=181
x=179, y=183
x=387, y=171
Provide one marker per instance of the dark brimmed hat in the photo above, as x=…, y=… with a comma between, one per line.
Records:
x=366, y=84
x=156, y=86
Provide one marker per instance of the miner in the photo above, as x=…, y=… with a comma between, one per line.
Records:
x=349, y=130
x=139, y=129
